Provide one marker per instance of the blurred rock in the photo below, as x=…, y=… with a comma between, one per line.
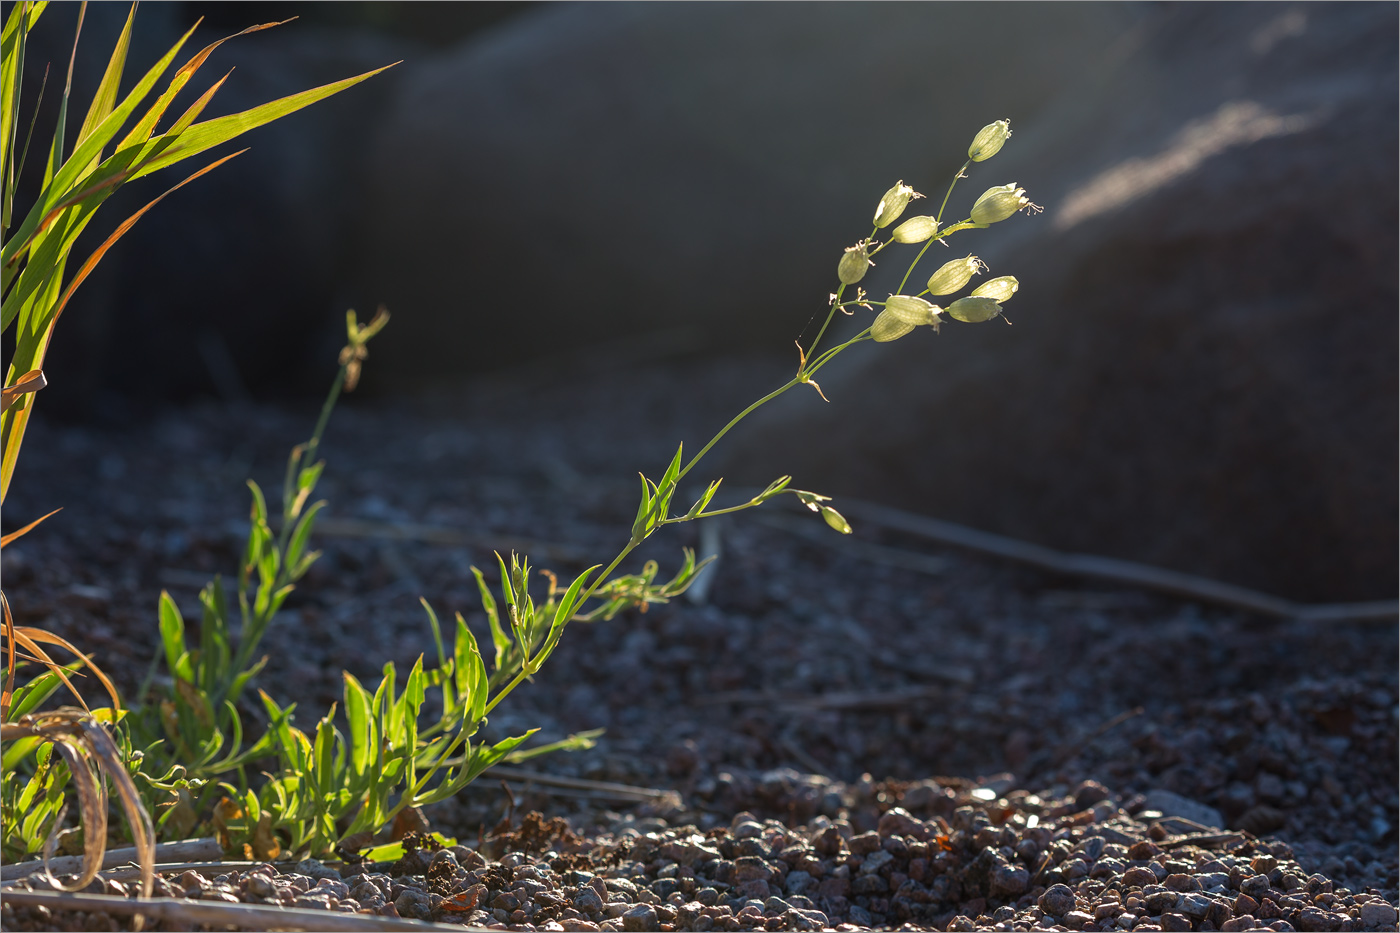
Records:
x=1202, y=369
x=641, y=179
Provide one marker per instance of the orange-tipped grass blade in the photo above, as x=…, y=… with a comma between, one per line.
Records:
x=31, y=381
x=16, y=535
x=29, y=638
x=15, y=421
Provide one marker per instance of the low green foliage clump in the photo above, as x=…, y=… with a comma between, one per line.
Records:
x=332, y=788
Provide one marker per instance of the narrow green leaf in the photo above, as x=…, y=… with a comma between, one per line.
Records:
x=172, y=636
x=106, y=97
x=472, y=682
x=63, y=180
x=357, y=715
x=203, y=136
x=485, y=756
x=704, y=500
x=27, y=698
x=302, y=533
x=498, y=635
x=240, y=682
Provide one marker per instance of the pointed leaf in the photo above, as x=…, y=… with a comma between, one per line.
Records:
x=203, y=136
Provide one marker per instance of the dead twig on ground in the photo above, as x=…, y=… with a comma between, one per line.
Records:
x=185, y=850
x=184, y=915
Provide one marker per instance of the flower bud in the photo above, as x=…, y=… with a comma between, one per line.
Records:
x=998, y=289
x=952, y=276
x=893, y=204
x=915, y=230
x=911, y=310
x=836, y=520
x=854, y=262
x=888, y=326
x=997, y=204
x=989, y=140
x=974, y=310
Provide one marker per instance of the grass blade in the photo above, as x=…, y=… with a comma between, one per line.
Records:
x=106, y=97
x=16, y=419
x=15, y=535
x=211, y=133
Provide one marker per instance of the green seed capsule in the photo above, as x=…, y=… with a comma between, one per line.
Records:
x=999, y=289
x=854, y=262
x=997, y=204
x=952, y=276
x=911, y=310
x=915, y=230
x=888, y=326
x=893, y=204
x=974, y=310
x=989, y=140
x=835, y=520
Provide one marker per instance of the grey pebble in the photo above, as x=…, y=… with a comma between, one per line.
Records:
x=639, y=917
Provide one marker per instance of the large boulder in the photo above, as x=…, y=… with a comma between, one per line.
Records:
x=1202, y=369
x=684, y=174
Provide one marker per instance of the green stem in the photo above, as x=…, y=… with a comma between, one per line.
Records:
x=915, y=263
x=254, y=628
x=797, y=380
x=831, y=313
x=956, y=176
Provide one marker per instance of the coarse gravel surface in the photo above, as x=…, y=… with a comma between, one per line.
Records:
x=844, y=741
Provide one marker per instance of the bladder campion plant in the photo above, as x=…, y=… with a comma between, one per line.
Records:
x=529, y=633
x=331, y=790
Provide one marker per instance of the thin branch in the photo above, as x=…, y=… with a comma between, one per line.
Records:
x=182, y=850
x=184, y=915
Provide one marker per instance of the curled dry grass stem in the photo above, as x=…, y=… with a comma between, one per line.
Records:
x=29, y=638
x=93, y=758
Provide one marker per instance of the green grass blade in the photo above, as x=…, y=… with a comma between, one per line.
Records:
x=147, y=124
x=12, y=46
x=210, y=133
x=106, y=97
x=172, y=636
x=63, y=179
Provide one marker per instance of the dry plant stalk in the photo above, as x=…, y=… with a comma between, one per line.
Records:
x=92, y=759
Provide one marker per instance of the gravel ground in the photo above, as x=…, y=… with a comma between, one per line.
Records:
x=845, y=741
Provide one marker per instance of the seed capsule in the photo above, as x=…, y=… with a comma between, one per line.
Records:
x=974, y=310
x=997, y=204
x=915, y=230
x=911, y=310
x=999, y=289
x=952, y=276
x=989, y=140
x=888, y=326
x=893, y=204
x=854, y=262
x=836, y=520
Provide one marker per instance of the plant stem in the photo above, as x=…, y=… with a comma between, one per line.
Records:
x=797, y=380
x=956, y=176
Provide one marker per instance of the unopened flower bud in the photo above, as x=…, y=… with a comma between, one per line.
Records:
x=999, y=289
x=989, y=140
x=854, y=262
x=999, y=203
x=887, y=326
x=911, y=310
x=915, y=230
x=974, y=310
x=952, y=276
x=893, y=204
x=835, y=520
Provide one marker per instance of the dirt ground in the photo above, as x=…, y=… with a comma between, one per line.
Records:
x=817, y=676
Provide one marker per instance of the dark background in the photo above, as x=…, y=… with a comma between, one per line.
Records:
x=1202, y=367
